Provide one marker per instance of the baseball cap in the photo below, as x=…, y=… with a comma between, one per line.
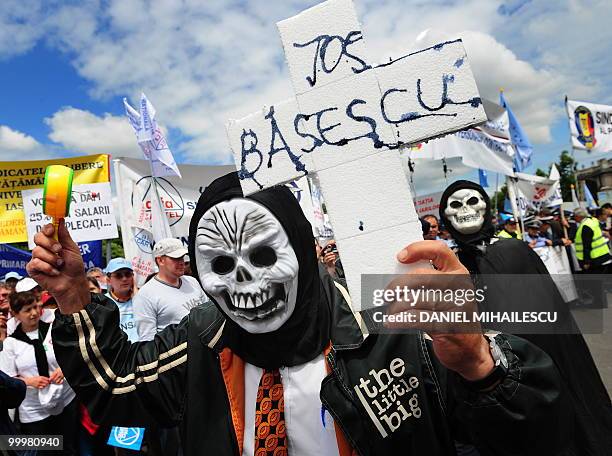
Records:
x=118, y=263
x=13, y=275
x=169, y=247
x=26, y=284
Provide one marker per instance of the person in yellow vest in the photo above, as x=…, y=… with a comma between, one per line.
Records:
x=592, y=248
x=510, y=230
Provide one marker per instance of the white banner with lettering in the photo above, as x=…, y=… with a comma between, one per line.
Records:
x=178, y=200
x=590, y=126
x=556, y=261
x=91, y=213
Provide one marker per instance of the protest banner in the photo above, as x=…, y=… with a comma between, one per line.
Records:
x=178, y=196
x=556, y=261
x=590, y=125
x=487, y=146
x=345, y=123
x=14, y=259
x=535, y=192
x=16, y=176
x=428, y=204
x=91, y=213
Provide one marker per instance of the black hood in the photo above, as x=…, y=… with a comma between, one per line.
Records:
x=487, y=231
x=306, y=334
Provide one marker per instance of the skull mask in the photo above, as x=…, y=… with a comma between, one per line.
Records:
x=246, y=263
x=465, y=209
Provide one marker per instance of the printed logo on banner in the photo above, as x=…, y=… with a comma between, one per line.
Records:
x=172, y=201
x=144, y=242
x=388, y=398
x=586, y=126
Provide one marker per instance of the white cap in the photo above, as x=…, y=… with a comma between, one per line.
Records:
x=169, y=247
x=27, y=284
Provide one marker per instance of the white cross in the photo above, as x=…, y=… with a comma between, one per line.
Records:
x=346, y=123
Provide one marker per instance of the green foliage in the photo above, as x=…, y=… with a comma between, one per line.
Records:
x=567, y=166
x=540, y=172
x=498, y=198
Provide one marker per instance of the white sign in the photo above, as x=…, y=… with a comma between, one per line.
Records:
x=91, y=213
x=535, y=192
x=590, y=126
x=428, y=204
x=556, y=261
x=345, y=124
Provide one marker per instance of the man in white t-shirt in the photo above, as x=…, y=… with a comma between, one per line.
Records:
x=167, y=297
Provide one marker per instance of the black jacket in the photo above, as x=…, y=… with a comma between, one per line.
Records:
x=179, y=379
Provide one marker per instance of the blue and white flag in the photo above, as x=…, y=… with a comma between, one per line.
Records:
x=523, y=147
x=151, y=139
x=591, y=203
x=482, y=177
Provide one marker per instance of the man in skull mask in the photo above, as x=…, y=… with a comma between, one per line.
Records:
x=465, y=209
x=279, y=364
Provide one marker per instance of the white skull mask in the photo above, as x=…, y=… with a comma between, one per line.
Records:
x=465, y=209
x=245, y=261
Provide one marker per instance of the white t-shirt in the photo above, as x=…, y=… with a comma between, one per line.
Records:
x=17, y=359
x=304, y=415
x=159, y=304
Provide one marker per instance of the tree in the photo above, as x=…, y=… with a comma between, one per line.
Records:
x=567, y=168
x=499, y=198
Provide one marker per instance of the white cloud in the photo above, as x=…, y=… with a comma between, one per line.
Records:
x=83, y=132
x=15, y=145
x=201, y=63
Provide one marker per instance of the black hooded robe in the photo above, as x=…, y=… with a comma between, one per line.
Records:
x=568, y=349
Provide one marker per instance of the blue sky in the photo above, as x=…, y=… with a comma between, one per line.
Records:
x=66, y=65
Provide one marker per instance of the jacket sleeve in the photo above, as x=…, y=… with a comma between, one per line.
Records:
x=12, y=391
x=527, y=414
x=122, y=383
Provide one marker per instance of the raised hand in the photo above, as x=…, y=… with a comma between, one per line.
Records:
x=460, y=347
x=57, y=266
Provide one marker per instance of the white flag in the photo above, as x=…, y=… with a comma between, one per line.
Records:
x=590, y=125
x=151, y=139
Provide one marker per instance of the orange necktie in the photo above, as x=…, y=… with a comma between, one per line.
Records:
x=270, y=433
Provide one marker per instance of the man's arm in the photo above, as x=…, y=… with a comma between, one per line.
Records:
x=114, y=378
x=527, y=413
x=118, y=380
x=12, y=391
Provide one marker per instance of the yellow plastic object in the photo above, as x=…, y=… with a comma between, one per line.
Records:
x=57, y=193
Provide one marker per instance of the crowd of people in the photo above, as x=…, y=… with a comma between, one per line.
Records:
x=32, y=381
x=589, y=230
x=44, y=403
